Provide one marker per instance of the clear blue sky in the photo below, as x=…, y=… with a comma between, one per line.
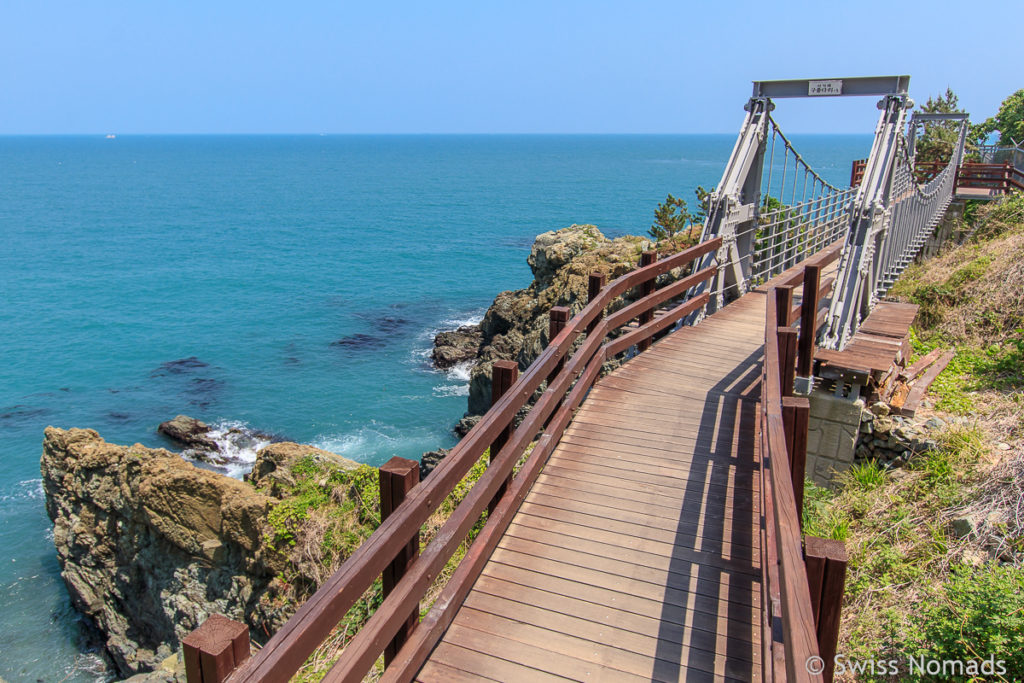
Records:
x=222, y=66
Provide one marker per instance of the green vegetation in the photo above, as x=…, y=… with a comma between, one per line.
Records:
x=936, y=552
x=908, y=578
x=672, y=217
x=979, y=611
x=349, y=499
x=1008, y=121
x=324, y=514
x=937, y=140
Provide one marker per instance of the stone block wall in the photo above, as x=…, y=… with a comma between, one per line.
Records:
x=832, y=434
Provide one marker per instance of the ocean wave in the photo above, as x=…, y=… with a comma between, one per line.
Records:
x=460, y=372
x=342, y=444
x=88, y=664
x=238, y=446
x=473, y=317
x=446, y=390
x=29, y=489
x=421, y=353
x=370, y=443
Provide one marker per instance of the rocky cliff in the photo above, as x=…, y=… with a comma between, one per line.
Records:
x=515, y=326
x=150, y=545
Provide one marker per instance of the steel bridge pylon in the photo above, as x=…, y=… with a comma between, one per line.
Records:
x=772, y=209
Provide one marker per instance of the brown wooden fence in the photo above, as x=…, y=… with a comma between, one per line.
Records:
x=569, y=371
x=1003, y=178
x=857, y=169
x=802, y=578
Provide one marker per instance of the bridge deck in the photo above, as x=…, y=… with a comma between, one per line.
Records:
x=635, y=556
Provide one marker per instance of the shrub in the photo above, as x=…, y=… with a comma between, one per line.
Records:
x=978, y=613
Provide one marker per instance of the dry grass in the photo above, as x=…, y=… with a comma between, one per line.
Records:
x=320, y=525
x=906, y=536
x=997, y=507
x=972, y=294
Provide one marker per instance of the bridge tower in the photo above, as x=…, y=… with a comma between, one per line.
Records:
x=772, y=212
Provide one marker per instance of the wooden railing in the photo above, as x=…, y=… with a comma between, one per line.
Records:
x=1004, y=178
x=857, y=169
x=927, y=170
x=568, y=378
x=802, y=579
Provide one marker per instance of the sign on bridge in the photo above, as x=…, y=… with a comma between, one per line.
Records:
x=819, y=88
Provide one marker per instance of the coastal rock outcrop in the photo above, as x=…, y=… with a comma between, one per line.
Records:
x=189, y=432
x=273, y=467
x=456, y=346
x=150, y=545
x=515, y=326
x=224, y=446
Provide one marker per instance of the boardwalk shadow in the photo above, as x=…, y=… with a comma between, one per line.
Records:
x=720, y=604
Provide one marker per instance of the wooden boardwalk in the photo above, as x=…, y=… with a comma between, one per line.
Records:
x=635, y=556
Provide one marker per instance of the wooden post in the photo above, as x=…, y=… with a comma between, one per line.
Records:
x=783, y=305
x=594, y=287
x=503, y=376
x=558, y=318
x=397, y=477
x=826, y=561
x=796, y=415
x=215, y=649
x=646, y=258
x=808, y=320
x=787, y=359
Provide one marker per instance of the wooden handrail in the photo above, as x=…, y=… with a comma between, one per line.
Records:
x=990, y=176
x=799, y=636
x=288, y=649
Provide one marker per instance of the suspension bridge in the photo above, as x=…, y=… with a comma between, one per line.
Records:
x=644, y=524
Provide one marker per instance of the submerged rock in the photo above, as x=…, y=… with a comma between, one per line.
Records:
x=456, y=346
x=360, y=342
x=180, y=366
x=190, y=433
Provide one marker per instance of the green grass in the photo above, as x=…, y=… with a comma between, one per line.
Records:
x=997, y=366
x=898, y=544
x=867, y=475
x=820, y=518
x=338, y=510
x=977, y=613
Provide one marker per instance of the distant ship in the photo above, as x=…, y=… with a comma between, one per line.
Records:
x=111, y=136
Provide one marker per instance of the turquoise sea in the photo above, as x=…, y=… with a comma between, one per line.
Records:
x=250, y=256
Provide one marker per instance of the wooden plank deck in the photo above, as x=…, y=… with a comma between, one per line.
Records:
x=635, y=556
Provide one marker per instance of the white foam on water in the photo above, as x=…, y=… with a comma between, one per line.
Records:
x=445, y=390
x=460, y=372
x=29, y=489
x=342, y=444
x=238, y=446
x=457, y=383
x=449, y=325
x=457, y=376
x=367, y=444
x=472, y=318
x=90, y=665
